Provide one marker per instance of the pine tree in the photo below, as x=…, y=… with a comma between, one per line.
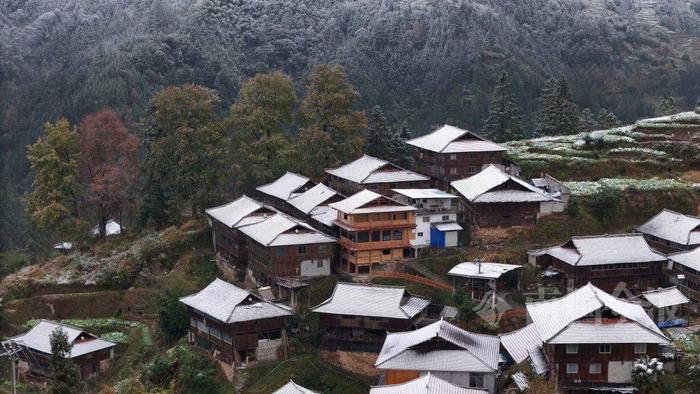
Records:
x=401, y=152
x=503, y=122
x=587, y=121
x=607, y=119
x=378, y=138
x=557, y=112
x=667, y=106
x=65, y=375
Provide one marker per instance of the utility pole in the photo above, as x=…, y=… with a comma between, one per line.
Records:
x=10, y=349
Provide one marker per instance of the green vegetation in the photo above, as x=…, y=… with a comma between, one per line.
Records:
x=65, y=375
x=173, y=318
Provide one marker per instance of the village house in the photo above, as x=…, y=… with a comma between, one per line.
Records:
x=685, y=272
x=284, y=188
x=359, y=315
x=482, y=278
x=670, y=231
x=426, y=384
x=225, y=221
x=445, y=351
x=284, y=252
x=374, y=174
x=374, y=229
x=619, y=261
x=436, y=217
x=91, y=354
x=555, y=189
x=450, y=153
x=590, y=340
x=493, y=198
x=235, y=325
x=293, y=388
x=664, y=304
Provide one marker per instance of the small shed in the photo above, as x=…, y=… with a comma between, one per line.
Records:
x=481, y=275
x=444, y=235
x=665, y=303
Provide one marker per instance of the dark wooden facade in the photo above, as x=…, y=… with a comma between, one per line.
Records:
x=348, y=187
x=238, y=342
x=370, y=331
x=666, y=246
x=229, y=242
x=267, y=263
x=90, y=364
x=506, y=214
x=690, y=286
x=444, y=168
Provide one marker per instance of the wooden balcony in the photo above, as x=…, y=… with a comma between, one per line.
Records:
x=381, y=224
x=360, y=246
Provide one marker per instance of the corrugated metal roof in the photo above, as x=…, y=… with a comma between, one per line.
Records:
x=284, y=186
x=426, y=384
x=424, y=193
x=368, y=169
x=497, y=196
x=281, y=230
x=450, y=139
x=372, y=300
x=223, y=301
x=324, y=214
x=356, y=202
x=538, y=360
x=688, y=258
x=471, y=269
x=662, y=298
x=673, y=226
x=483, y=349
x=603, y=249
x=312, y=198
x=293, y=388
x=518, y=343
x=39, y=339
x=520, y=380
x=539, y=182
x=232, y=213
x=438, y=360
x=592, y=332
x=477, y=188
x=447, y=226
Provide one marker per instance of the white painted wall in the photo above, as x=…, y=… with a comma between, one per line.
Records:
x=451, y=239
x=310, y=268
x=423, y=240
x=462, y=379
x=620, y=371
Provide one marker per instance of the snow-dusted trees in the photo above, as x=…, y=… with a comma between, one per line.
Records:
x=503, y=122
x=557, y=111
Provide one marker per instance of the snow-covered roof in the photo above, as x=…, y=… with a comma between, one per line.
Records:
x=111, y=228
x=424, y=193
x=232, y=213
x=368, y=169
x=356, y=203
x=471, y=352
x=39, y=339
x=480, y=188
x=372, y=300
x=324, y=214
x=519, y=343
x=293, y=388
x=426, y=384
x=688, y=258
x=661, y=298
x=282, y=230
x=229, y=304
x=483, y=270
x=65, y=245
x=284, y=186
x=554, y=316
x=673, y=226
x=310, y=199
x=592, y=330
x=520, y=380
x=447, y=226
x=603, y=249
x=450, y=139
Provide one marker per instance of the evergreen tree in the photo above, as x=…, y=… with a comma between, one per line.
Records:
x=587, y=121
x=401, y=152
x=378, y=138
x=607, y=119
x=667, y=106
x=503, y=122
x=557, y=112
x=172, y=315
x=65, y=375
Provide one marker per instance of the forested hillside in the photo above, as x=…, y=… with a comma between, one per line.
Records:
x=423, y=62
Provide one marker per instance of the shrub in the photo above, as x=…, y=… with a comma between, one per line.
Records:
x=172, y=316
x=605, y=204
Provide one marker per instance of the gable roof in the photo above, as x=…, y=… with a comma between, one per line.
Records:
x=281, y=230
x=426, y=384
x=366, y=170
x=39, y=339
x=554, y=316
x=310, y=199
x=372, y=300
x=603, y=249
x=424, y=193
x=450, y=139
x=284, y=186
x=293, y=388
x=479, y=188
x=356, y=203
x=673, y=226
x=661, y=298
x=475, y=353
x=232, y=213
x=524, y=344
x=225, y=303
x=688, y=258
x=482, y=270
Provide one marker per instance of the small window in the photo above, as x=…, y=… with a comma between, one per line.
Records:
x=476, y=380
x=604, y=348
x=571, y=349
x=420, y=234
x=392, y=186
x=640, y=348
x=472, y=170
x=453, y=170
x=445, y=218
x=426, y=219
x=386, y=252
x=397, y=235
x=420, y=155
x=280, y=251
x=322, y=249
x=319, y=264
x=345, y=216
x=386, y=235
x=363, y=236
x=376, y=236
x=571, y=368
x=594, y=368
x=453, y=156
x=301, y=249
x=373, y=187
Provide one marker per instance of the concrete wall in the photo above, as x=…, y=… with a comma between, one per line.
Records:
x=310, y=268
x=267, y=349
x=451, y=239
x=424, y=227
x=620, y=371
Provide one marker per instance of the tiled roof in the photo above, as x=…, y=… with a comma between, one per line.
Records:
x=471, y=269
x=284, y=186
x=229, y=304
x=479, y=188
x=231, y=214
x=356, y=202
x=598, y=330
x=518, y=343
x=310, y=199
x=368, y=169
x=673, y=226
x=282, y=230
x=450, y=139
x=293, y=388
x=662, y=298
x=39, y=339
x=426, y=384
x=372, y=300
x=688, y=258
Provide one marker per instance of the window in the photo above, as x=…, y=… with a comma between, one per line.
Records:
x=571, y=368
x=420, y=155
x=280, y=252
x=301, y=249
x=594, y=368
x=397, y=235
x=392, y=186
x=420, y=234
x=476, y=380
x=453, y=170
x=472, y=155
x=386, y=252
x=376, y=236
x=426, y=219
x=345, y=216
x=571, y=349
x=472, y=170
x=319, y=264
x=640, y=348
x=322, y=249
x=386, y=235
x=604, y=348
x=445, y=218
x=453, y=156
x=373, y=187
x=363, y=236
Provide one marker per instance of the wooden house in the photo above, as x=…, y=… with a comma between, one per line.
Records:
x=670, y=231
x=588, y=340
x=374, y=174
x=235, y=325
x=361, y=314
x=482, y=278
x=608, y=261
x=685, y=270
x=450, y=153
x=91, y=354
x=493, y=198
x=426, y=384
x=443, y=350
x=374, y=229
x=664, y=304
